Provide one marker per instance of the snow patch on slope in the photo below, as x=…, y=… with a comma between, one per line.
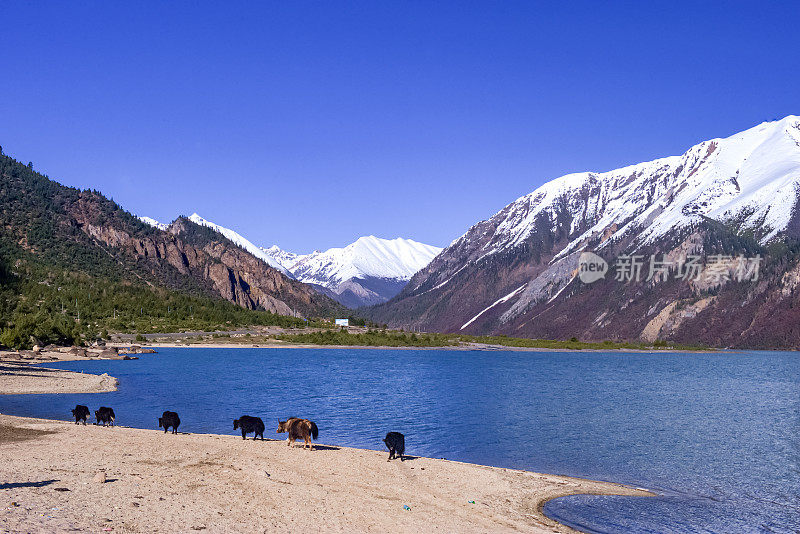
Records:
x=240, y=241
x=495, y=303
x=152, y=222
x=285, y=258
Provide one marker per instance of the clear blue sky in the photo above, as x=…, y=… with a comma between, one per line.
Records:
x=310, y=124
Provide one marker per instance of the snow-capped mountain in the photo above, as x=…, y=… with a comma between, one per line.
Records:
x=368, y=256
x=285, y=258
x=752, y=176
x=232, y=235
x=152, y=222
x=239, y=240
x=516, y=271
x=368, y=271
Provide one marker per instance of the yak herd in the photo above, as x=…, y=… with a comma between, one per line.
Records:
x=294, y=427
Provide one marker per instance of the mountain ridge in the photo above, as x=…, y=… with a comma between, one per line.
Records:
x=367, y=271
x=81, y=238
x=729, y=189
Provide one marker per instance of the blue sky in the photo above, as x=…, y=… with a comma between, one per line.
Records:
x=310, y=124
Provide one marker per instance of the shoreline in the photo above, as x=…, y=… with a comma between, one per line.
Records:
x=464, y=348
x=213, y=481
x=209, y=481
x=22, y=378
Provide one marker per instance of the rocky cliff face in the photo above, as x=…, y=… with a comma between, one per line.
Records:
x=517, y=273
x=207, y=258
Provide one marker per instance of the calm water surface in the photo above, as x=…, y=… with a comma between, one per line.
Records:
x=718, y=435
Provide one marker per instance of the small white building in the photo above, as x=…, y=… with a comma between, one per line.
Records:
x=342, y=322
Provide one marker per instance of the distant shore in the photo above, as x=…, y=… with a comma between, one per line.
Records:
x=463, y=347
x=370, y=337
x=165, y=483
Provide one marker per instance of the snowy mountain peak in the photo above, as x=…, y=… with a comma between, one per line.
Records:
x=517, y=272
x=752, y=176
x=367, y=271
x=368, y=256
x=240, y=241
x=285, y=258
x=152, y=222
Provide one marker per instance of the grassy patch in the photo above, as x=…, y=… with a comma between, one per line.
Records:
x=370, y=338
x=574, y=344
x=393, y=338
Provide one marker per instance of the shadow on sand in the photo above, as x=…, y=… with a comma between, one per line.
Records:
x=40, y=484
x=325, y=448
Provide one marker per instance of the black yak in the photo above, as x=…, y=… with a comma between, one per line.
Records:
x=104, y=415
x=80, y=412
x=250, y=424
x=297, y=429
x=169, y=419
x=396, y=442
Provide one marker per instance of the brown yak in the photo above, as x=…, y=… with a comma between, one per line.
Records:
x=297, y=429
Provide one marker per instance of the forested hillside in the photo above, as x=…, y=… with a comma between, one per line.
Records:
x=74, y=264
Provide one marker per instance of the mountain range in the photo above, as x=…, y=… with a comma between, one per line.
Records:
x=517, y=273
x=368, y=271
x=73, y=262
x=724, y=204
x=231, y=235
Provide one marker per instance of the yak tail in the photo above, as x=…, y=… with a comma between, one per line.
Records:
x=314, y=430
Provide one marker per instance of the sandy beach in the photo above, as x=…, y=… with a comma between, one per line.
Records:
x=156, y=482
x=17, y=378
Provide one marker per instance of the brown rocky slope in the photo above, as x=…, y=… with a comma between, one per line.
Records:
x=82, y=231
x=724, y=201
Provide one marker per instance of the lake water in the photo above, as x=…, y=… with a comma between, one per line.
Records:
x=717, y=435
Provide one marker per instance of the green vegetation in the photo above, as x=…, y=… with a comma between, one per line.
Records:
x=574, y=344
x=393, y=338
x=58, y=285
x=42, y=306
x=370, y=338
